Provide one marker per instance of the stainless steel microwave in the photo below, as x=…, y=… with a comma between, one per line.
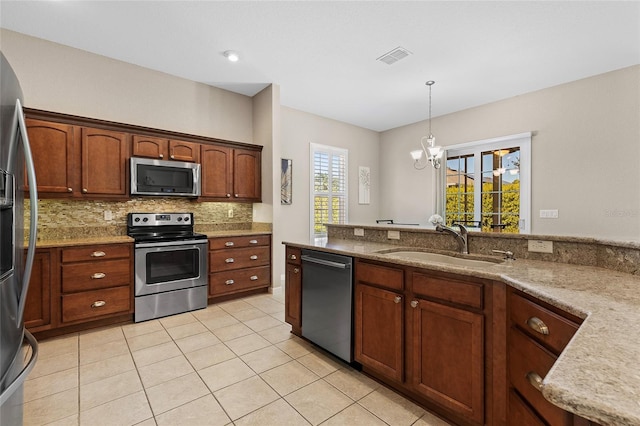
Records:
x=164, y=178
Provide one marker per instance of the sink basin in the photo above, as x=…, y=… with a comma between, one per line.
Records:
x=439, y=258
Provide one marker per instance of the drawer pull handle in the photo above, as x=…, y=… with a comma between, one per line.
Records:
x=229, y=244
x=229, y=260
x=229, y=282
x=296, y=270
x=254, y=257
x=98, y=304
x=98, y=254
x=535, y=380
x=253, y=277
x=414, y=303
x=293, y=257
x=253, y=241
x=98, y=276
x=538, y=325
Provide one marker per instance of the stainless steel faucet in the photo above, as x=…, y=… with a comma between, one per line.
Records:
x=461, y=236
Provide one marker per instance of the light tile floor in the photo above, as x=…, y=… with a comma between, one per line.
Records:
x=234, y=363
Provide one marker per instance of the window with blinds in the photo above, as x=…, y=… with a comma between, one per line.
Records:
x=329, y=188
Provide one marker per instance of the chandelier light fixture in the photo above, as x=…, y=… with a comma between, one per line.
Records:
x=433, y=153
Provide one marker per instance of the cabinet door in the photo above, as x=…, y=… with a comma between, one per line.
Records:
x=184, y=151
x=217, y=171
x=104, y=160
x=247, y=182
x=150, y=147
x=52, y=146
x=447, y=354
x=378, y=335
x=37, y=311
x=293, y=297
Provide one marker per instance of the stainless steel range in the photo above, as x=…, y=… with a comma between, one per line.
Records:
x=170, y=264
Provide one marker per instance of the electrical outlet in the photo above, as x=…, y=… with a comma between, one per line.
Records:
x=230, y=213
x=358, y=232
x=393, y=235
x=541, y=246
x=108, y=215
x=549, y=214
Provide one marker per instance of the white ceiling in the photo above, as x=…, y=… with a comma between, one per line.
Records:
x=323, y=54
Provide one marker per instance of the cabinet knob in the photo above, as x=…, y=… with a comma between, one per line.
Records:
x=537, y=325
x=229, y=260
x=69, y=189
x=98, y=304
x=293, y=257
x=229, y=282
x=173, y=157
x=254, y=257
x=236, y=195
x=98, y=276
x=228, y=195
x=253, y=241
x=98, y=254
x=253, y=277
x=296, y=270
x=229, y=244
x=397, y=299
x=85, y=190
x=535, y=380
x=161, y=156
x=414, y=303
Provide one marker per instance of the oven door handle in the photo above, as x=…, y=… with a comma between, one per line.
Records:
x=172, y=243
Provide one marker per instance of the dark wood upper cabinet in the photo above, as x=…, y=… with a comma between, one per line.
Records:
x=247, y=183
x=231, y=174
x=104, y=162
x=53, y=148
x=165, y=149
x=184, y=151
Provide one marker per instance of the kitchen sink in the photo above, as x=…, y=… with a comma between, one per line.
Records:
x=426, y=256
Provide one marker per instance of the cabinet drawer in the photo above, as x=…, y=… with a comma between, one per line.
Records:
x=460, y=292
x=94, y=304
x=527, y=358
x=223, y=260
x=533, y=319
x=232, y=281
x=520, y=414
x=293, y=255
x=239, y=242
x=95, y=275
x=93, y=253
x=380, y=275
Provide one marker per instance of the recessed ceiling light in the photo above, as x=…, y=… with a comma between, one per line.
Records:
x=232, y=55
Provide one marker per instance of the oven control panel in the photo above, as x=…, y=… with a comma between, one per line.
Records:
x=159, y=219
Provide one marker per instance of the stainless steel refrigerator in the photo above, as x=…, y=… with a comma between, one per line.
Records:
x=16, y=358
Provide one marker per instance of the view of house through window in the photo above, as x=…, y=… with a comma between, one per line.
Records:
x=485, y=187
x=329, y=188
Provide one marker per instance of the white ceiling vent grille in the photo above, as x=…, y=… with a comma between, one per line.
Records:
x=394, y=55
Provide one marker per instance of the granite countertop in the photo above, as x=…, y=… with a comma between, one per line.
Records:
x=115, y=239
x=596, y=376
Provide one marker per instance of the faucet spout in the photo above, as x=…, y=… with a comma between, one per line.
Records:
x=461, y=236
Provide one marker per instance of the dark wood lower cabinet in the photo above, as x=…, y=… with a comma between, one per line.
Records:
x=448, y=358
x=37, y=312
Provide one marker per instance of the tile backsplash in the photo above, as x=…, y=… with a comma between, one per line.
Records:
x=87, y=218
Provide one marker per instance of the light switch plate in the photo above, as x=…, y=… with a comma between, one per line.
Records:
x=541, y=246
x=549, y=214
x=393, y=235
x=358, y=232
x=108, y=215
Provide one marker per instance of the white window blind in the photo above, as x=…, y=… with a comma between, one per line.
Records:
x=329, y=199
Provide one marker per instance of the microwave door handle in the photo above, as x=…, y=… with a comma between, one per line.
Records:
x=33, y=196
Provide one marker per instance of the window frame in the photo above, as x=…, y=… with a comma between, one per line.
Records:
x=476, y=148
x=332, y=151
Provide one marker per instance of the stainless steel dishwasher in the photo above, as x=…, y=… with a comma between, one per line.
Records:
x=327, y=302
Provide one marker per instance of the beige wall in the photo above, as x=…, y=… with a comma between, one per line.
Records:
x=63, y=79
x=299, y=129
x=585, y=155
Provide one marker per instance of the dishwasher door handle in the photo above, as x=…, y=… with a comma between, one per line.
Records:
x=329, y=263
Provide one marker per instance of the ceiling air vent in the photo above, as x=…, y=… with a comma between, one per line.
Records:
x=394, y=55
